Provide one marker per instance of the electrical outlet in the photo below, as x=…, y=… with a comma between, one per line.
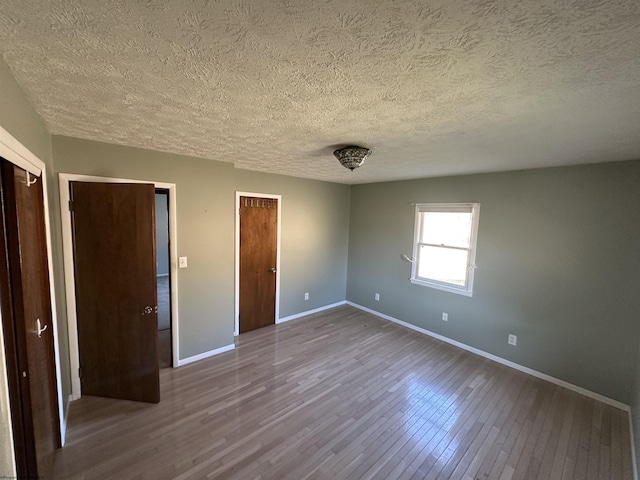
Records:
x=445, y=317
x=513, y=340
x=306, y=295
x=182, y=262
x=377, y=297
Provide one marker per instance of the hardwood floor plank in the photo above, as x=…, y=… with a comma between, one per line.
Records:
x=481, y=464
x=521, y=454
x=616, y=454
x=594, y=443
x=555, y=453
x=443, y=431
x=553, y=419
x=345, y=395
x=627, y=470
x=387, y=446
x=463, y=462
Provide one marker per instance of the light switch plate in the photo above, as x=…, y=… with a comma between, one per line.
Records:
x=182, y=262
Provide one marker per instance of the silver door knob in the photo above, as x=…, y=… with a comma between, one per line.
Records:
x=272, y=270
x=149, y=309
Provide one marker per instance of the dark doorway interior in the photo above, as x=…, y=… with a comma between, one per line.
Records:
x=163, y=262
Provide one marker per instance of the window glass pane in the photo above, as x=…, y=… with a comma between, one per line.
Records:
x=446, y=228
x=443, y=264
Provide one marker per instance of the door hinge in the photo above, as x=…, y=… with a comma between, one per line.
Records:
x=79, y=372
x=71, y=205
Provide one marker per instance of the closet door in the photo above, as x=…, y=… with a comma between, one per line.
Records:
x=26, y=305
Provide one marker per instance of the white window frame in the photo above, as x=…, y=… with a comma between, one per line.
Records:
x=467, y=288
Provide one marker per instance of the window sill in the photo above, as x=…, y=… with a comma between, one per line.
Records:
x=439, y=286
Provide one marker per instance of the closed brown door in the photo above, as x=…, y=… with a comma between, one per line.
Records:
x=258, y=253
x=116, y=298
x=25, y=274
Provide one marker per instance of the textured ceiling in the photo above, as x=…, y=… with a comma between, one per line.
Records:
x=432, y=87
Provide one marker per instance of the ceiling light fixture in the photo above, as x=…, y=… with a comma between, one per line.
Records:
x=352, y=156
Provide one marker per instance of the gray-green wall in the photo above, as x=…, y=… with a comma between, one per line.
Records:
x=635, y=397
x=315, y=225
x=162, y=234
x=20, y=119
x=557, y=266
x=558, y=253
x=315, y=233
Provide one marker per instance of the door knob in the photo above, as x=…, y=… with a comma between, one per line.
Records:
x=40, y=329
x=149, y=309
x=272, y=270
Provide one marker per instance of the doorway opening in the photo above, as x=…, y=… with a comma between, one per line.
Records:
x=163, y=278
x=65, y=181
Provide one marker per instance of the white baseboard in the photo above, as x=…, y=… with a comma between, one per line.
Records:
x=634, y=463
x=495, y=358
x=63, y=427
x=202, y=356
x=310, y=312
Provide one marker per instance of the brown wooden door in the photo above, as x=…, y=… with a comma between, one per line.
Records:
x=258, y=252
x=116, y=298
x=25, y=277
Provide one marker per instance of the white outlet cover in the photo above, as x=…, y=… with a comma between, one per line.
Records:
x=182, y=262
x=445, y=317
x=377, y=297
x=513, y=340
x=306, y=296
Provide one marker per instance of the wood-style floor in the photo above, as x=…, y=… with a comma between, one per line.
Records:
x=347, y=395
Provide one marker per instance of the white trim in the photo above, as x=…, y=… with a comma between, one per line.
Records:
x=66, y=419
x=204, y=355
x=634, y=463
x=441, y=286
x=236, y=324
x=474, y=209
x=310, y=312
x=69, y=271
x=16, y=153
x=54, y=308
x=495, y=358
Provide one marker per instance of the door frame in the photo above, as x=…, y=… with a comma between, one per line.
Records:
x=236, y=327
x=69, y=269
x=12, y=150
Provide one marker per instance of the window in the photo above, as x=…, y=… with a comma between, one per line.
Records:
x=444, y=246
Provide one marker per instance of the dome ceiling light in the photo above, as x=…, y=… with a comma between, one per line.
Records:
x=352, y=156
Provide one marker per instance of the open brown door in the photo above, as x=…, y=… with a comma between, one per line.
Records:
x=116, y=298
x=27, y=323
x=258, y=253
